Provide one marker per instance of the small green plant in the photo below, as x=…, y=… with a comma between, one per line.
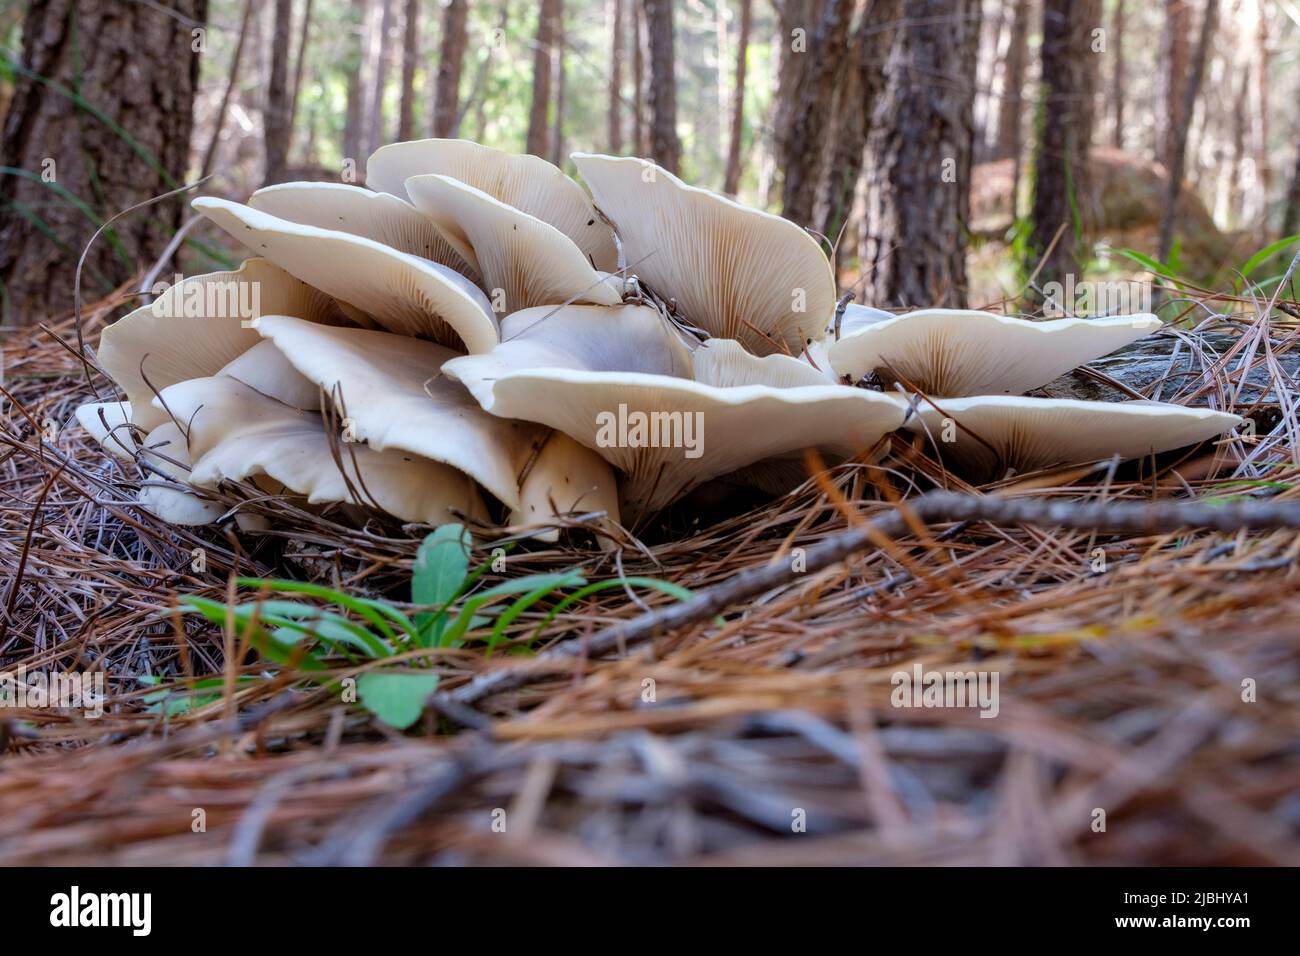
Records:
x=332, y=628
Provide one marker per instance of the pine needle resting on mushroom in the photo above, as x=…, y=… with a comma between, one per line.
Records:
x=452, y=341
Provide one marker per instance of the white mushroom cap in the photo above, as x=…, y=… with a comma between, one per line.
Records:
x=992, y=434
x=401, y=292
x=530, y=184
x=378, y=216
x=665, y=433
x=109, y=424
x=531, y=262
x=265, y=368
x=235, y=432
x=164, y=450
x=855, y=317
x=391, y=389
x=195, y=328
x=736, y=272
x=565, y=478
x=966, y=352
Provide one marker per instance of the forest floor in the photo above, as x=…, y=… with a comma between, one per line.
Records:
x=1149, y=709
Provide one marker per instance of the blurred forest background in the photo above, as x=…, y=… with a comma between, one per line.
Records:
x=948, y=151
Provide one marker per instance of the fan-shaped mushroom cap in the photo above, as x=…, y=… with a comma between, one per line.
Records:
x=237, y=433
x=265, y=368
x=855, y=317
x=164, y=451
x=964, y=352
x=109, y=424
x=199, y=325
x=565, y=478
x=991, y=434
x=530, y=261
x=736, y=272
x=665, y=433
x=401, y=292
x=378, y=216
x=630, y=338
x=394, y=396
x=530, y=184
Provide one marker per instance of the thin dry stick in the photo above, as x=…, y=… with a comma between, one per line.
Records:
x=936, y=506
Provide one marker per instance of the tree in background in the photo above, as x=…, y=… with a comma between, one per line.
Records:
x=858, y=96
x=614, y=117
x=803, y=157
x=355, y=81
x=277, y=126
x=1171, y=76
x=410, y=57
x=543, y=61
x=918, y=168
x=731, y=179
x=1063, y=131
x=557, y=72
x=665, y=147
x=455, y=34
x=102, y=112
x=1178, y=148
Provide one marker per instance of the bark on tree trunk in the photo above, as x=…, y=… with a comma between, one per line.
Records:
x=1178, y=153
x=1013, y=81
x=276, y=122
x=1291, y=209
x=1117, y=87
x=731, y=180
x=376, y=135
x=918, y=168
x=1171, y=76
x=356, y=103
x=139, y=71
x=410, y=57
x=1064, y=129
x=813, y=101
x=665, y=147
x=557, y=133
x=303, y=38
x=446, y=103
x=639, y=136
x=796, y=23
x=538, y=114
x=860, y=96
x=210, y=154
x=614, y=120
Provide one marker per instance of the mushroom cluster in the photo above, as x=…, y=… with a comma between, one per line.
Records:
x=474, y=336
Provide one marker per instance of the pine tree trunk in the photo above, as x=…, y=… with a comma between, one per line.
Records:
x=614, y=120
x=1171, y=76
x=1178, y=148
x=140, y=72
x=861, y=93
x=1064, y=129
x=304, y=37
x=918, y=168
x=1117, y=91
x=382, y=58
x=813, y=100
x=665, y=147
x=356, y=102
x=410, y=57
x=446, y=104
x=1291, y=208
x=539, y=113
x=796, y=23
x=1009, y=138
x=731, y=180
x=276, y=122
x=219, y=121
x=557, y=133
x=639, y=135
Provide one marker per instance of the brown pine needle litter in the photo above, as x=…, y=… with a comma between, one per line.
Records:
x=1148, y=671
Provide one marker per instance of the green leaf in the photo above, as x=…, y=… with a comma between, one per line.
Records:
x=1267, y=253
x=395, y=697
x=377, y=613
x=441, y=567
x=1152, y=265
x=533, y=582
x=674, y=590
